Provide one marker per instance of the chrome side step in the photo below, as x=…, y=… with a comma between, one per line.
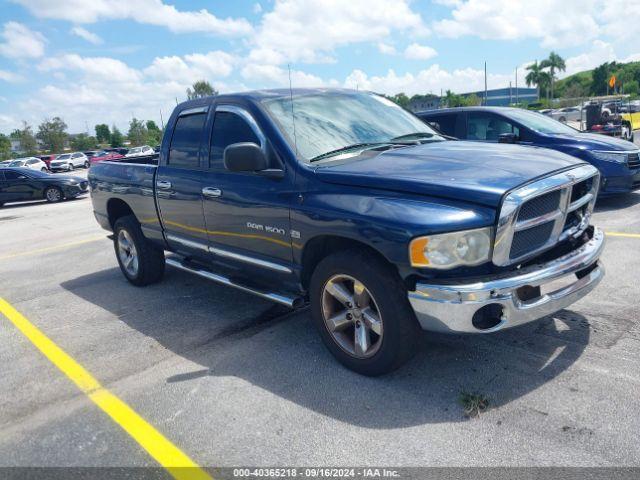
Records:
x=291, y=302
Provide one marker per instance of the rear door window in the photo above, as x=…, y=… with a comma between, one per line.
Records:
x=185, y=143
x=487, y=126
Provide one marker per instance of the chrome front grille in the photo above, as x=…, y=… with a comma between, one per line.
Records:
x=537, y=216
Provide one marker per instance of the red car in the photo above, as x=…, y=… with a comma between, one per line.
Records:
x=47, y=159
x=101, y=156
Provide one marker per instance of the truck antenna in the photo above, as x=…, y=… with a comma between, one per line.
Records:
x=293, y=116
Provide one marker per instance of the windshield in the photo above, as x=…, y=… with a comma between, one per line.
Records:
x=65, y=156
x=17, y=163
x=330, y=121
x=540, y=123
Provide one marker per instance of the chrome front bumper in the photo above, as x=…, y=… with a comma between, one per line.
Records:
x=450, y=307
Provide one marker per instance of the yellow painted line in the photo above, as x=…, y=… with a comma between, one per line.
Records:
x=52, y=248
x=621, y=234
x=177, y=463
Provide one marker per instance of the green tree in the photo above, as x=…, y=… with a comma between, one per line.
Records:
x=24, y=135
x=600, y=78
x=116, y=139
x=53, y=134
x=82, y=142
x=555, y=63
x=5, y=147
x=535, y=76
x=154, y=134
x=401, y=99
x=201, y=88
x=137, y=134
x=632, y=87
x=103, y=135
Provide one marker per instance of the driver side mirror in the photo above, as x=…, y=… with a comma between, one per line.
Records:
x=249, y=157
x=508, y=138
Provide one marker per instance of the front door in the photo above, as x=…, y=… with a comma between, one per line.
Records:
x=18, y=186
x=179, y=186
x=246, y=214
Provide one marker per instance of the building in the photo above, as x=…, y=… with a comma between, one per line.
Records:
x=503, y=97
x=419, y=103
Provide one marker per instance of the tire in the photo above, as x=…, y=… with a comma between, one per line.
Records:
x=562, y=119
x=70, y=168
x=53, y=194
x=86, y=164
x=392, y=341
x=147, y=264
x=43, y=170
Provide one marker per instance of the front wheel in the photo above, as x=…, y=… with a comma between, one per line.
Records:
x=141, y=262
x=43, y=170
x=70, y=167
x=86, y=164
x=53, y=194
x=360, y=307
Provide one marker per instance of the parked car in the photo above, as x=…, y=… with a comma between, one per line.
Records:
x=20, y=184
x=569, y=114
x=31, y=163
x=5, y=163
x=382, y=224
x=104, y=155
x=140, y=151
x=617, y=160
x=69, y=161
x=47, y=159
x=121, y=150
x=91, y=153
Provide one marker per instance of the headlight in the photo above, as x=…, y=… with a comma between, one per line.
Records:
x=617, y=157
x=449, y=250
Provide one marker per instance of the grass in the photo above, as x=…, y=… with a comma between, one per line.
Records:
x=473, y=404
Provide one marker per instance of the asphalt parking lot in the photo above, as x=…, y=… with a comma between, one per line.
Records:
x=232, y=380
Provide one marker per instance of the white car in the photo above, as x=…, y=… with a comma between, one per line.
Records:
x=140, y=151
x=569, y=114
x=32, y=163
x=69, y=161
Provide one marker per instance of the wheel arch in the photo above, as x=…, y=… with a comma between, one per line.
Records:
x=319, y=247
x=117, y=208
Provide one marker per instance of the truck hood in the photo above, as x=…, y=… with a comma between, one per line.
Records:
x=466, y=171
x=594, y=141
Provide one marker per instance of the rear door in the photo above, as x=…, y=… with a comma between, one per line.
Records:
x=247, y=215
x=179, y=185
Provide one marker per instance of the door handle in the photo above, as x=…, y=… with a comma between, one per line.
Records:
x=163, y=184
x=211, y=192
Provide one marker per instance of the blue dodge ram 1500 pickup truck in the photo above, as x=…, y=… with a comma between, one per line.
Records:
x=346, y=201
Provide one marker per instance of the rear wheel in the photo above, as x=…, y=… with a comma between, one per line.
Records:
x=360, y=307
x=141, y=262
x=53, y=194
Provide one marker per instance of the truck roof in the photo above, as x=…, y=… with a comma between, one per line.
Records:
x=258, y=95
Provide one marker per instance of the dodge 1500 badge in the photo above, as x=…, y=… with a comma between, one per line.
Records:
x=343, y=200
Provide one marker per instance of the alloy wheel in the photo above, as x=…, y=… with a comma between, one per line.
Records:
x=351, y=316
x=128, y=253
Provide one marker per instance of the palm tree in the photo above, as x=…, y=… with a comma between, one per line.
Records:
x=534, y=76
x=554, y=63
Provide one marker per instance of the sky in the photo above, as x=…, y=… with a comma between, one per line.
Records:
x=107, y=61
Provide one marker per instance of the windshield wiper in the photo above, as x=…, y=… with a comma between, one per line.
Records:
x=346, y=148
x=409, y=136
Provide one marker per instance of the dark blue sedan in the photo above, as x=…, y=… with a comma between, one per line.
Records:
x=618, y=160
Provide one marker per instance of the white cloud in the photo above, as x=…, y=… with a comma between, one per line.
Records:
x=94, y=69
x=277, y=77
x=197, y=66
x=566, y=23
x=600, y=52
x=431, y=79
x=257, y=8
x=310, y=31
x=21, y=42
x=386, y=49
x=152, y=12
x=86, y=35
x=419, y=52
x=9, y=76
